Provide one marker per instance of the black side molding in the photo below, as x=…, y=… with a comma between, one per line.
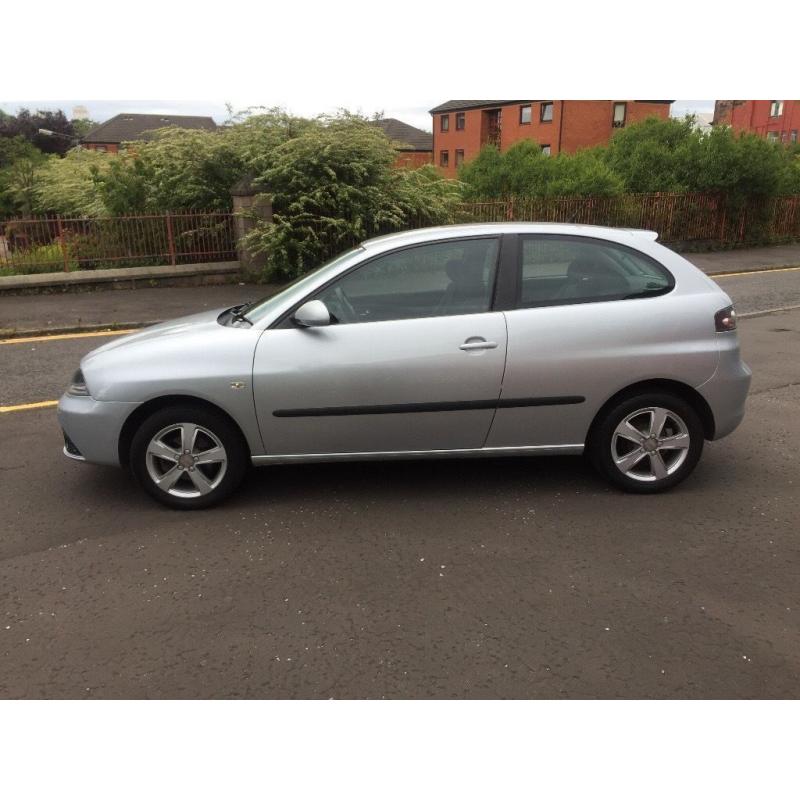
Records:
x=414, y=408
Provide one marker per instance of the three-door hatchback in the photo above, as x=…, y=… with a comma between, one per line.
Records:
x=467, y=340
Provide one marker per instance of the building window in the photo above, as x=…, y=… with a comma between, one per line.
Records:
x=546, y=112
x=461, y=121
x=444, y=124
x=444, y=158
x=776, y=108
x=101, y=148
x=459, y=157
x=620, y=111
x=772, y=136
x=545, y=149
x=524, y=115
x=793, y=137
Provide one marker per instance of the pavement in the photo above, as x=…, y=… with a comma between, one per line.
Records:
x=64, y=312
x=501, y=578
x=747, y=258
x=123, y=308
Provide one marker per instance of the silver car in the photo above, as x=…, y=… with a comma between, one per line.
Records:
x=470, y=340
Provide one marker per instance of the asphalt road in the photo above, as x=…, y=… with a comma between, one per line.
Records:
x=487, y=578
x=775, y=289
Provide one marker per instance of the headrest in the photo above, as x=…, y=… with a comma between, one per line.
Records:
x=590, y=267
x=463, y=272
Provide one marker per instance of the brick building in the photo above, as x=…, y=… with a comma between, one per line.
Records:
x=109, y=135
x=776, y=120
x=414, y=147
x=462, y=127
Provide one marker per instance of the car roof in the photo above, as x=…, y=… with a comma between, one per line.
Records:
x=420, y=235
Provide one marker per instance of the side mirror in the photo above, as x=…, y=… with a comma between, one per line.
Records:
x=313, y=314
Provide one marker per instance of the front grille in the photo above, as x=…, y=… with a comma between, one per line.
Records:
x=70, y=446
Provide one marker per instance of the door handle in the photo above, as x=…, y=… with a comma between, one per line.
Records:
x=475, y=343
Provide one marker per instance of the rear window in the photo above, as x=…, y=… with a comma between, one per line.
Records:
x=558, y=270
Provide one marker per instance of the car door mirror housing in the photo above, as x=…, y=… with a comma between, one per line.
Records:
x=313, y=314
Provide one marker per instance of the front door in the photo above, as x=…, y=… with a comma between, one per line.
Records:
x=413, y=360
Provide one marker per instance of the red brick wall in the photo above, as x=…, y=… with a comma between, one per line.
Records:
x=108, y=148
x=585, y=123
x=412, y=159
x=753, y=116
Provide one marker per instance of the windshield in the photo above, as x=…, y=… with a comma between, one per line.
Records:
x=262, y=308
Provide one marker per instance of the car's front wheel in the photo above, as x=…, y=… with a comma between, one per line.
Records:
x=188, y=457
x=647, y=443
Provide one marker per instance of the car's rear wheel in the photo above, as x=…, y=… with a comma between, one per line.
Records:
x=188, y=457
x=647, y=443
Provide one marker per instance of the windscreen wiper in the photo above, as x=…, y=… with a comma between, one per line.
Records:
x=237, y=313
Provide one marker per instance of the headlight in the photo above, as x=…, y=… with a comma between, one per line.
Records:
x=77, y=386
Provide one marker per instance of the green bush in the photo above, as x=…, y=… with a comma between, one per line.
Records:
x=523, y=171
x=651, y=156
x=36, y=259
x=69, y=185
x=332, y=186
x=18, y=162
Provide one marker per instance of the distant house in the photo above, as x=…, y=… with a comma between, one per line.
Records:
x=775, y=120
x=462, y=127
x=703, y=122
x=414, y=147
x=108, y=136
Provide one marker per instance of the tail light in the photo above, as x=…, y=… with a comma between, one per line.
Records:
x=725, y=319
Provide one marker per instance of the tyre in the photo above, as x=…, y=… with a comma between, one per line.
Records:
x=189, y=457
x=647, y=443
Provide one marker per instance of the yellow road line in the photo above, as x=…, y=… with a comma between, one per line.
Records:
x=28, y=406
x=753, y=272
x=52, y=337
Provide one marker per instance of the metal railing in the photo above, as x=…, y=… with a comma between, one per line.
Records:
x=677, y=217
x=48, y=244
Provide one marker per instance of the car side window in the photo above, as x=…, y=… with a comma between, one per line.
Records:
x=431, y=280
x=558, y=270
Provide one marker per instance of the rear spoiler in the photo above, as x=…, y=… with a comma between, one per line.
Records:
x=641, y=233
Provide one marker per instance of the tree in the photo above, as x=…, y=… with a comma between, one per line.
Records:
x=334, y=185
x=27, y=125
x=672, y=156
x=18, y=162
x=655, y=155
x=524, y=171
x=82, y=126
x=176, y=168
x=71, y=185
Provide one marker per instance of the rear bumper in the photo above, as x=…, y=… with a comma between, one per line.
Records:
x=726, y=392
x=92, y=428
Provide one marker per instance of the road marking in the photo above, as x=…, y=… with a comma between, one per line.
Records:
x=52, y=403
x=766, y=311
x=28, y=406
x=752, y=272
x=53, y=337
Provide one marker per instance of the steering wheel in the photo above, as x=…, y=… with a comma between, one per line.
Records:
x=349, y=314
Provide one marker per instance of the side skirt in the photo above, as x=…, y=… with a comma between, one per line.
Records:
x=480, y=452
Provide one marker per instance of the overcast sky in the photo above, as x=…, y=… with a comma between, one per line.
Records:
x=315, y=56
x=101, y=110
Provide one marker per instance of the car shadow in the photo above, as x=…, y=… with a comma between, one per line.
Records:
x=421, y=478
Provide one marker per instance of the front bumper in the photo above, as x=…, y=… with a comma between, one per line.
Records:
x=92, y=428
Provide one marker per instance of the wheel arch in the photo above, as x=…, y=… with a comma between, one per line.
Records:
x=142, y=412
x=682, y=390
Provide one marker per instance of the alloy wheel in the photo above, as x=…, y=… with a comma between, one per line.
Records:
x=650, y=444
x=186, y=460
